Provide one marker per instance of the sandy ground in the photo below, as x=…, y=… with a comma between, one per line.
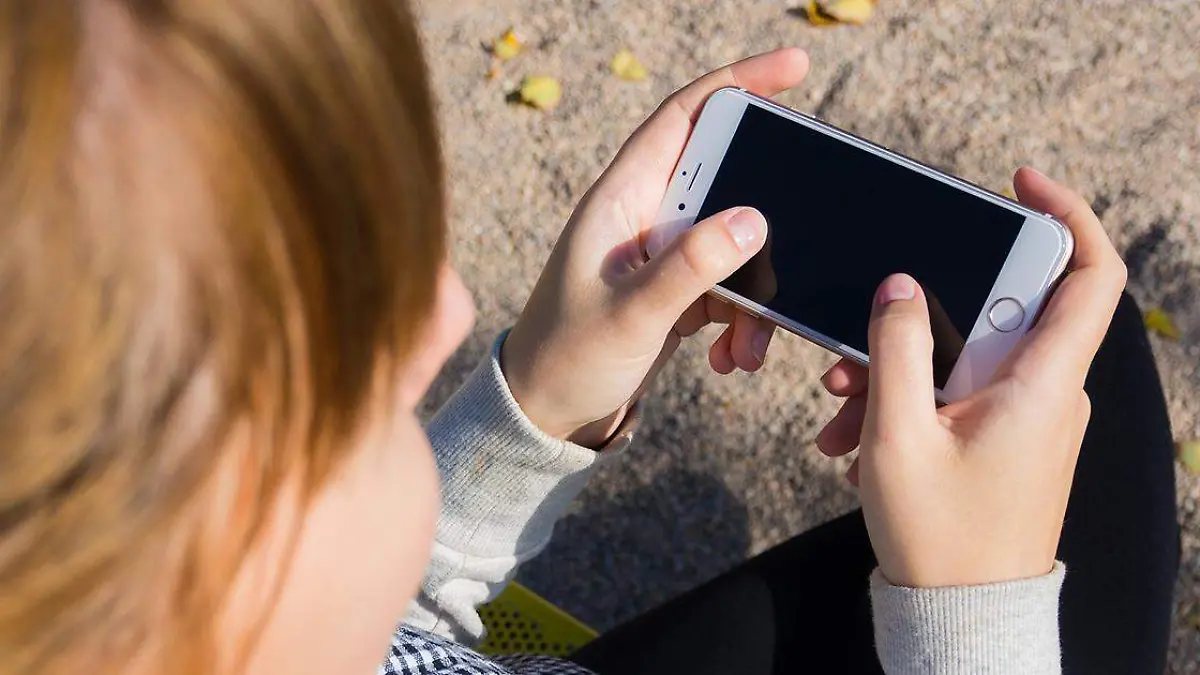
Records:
x=1104, y=94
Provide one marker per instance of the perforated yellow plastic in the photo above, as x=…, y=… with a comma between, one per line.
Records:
x=520, y=621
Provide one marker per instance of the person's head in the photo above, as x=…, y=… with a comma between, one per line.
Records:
x=223, y=289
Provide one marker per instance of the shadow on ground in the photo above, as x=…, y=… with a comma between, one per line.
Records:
x=649, y=553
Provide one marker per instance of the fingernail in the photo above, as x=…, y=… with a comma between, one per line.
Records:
x=896, y=287
x=746, y=227
x=758, y=345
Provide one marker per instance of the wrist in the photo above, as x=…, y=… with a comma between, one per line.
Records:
x=541, y=404
x=949, y=571
x=599, y=433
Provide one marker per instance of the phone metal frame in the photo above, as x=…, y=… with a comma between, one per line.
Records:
x=1037, y=260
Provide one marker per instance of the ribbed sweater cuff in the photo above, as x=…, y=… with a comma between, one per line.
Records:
x=1003, y=628
x=504, y=482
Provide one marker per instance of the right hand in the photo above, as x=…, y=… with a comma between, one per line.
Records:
x=976, y=492
x=616, y=297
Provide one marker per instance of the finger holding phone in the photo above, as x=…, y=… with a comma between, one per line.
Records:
x=603, y=318
x=975, y=492
x=970, y=493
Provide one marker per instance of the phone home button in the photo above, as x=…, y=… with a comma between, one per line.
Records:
x=1006, y=315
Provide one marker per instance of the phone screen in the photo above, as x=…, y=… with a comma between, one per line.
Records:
x=841, y=219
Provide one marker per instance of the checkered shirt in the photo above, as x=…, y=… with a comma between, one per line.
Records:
x=415, y=652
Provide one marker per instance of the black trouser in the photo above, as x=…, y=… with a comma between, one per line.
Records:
x=804, y=607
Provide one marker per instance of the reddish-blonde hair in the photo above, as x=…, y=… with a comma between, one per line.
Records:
x=218, y=219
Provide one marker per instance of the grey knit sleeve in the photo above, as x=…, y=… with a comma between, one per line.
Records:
x=504, y=485
x=1007, y=628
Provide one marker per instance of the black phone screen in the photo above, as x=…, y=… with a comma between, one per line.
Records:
x=841, y=219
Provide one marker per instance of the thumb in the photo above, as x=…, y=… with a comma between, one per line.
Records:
x=900, y=392
x=695, y=261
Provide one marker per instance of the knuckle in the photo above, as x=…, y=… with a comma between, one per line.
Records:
x=1113, y=275
x=702, y=254
x=674, y=105
x=1084, y=408
x=822, y=440
x=1120, y=272
x=1078, y=204
x=1077, y=207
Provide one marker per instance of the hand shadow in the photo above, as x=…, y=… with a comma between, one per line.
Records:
x=948, y=342
x=756, y=280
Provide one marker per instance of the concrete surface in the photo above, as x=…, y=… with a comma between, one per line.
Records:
x=1104, y=94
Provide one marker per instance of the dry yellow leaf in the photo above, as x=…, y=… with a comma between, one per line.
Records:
x=830, y=12
x=1189, y=456
x=541, y=91
x=1159, y=321
x=626, y=66
x=506, y=46
x=817, y=16
x=1010, y=193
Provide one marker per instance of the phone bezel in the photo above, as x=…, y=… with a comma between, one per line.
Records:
x=1037, y=260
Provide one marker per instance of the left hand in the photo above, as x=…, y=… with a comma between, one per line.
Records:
x=602, y=319
x=975, y=492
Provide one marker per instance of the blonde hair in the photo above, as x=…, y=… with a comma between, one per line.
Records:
x=217, y=219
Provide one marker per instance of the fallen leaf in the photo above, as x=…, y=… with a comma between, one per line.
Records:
x=541, y=91
x=831, y=12
x=1159, y=321
x=817, y=16
x=1189, y=456
x=1195, y=620
x=626, y=66
x=506, y=46
x=1010, y=193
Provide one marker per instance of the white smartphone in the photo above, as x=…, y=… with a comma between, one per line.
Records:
x=843, y=213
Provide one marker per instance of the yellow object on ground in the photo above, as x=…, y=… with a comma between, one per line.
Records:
x=520, y=621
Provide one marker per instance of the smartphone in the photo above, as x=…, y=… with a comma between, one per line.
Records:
x=843, y=213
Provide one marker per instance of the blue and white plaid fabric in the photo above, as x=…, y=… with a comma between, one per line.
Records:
x=415, y=652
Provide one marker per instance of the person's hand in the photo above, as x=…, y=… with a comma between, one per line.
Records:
x=976, y=492
x=603, y=317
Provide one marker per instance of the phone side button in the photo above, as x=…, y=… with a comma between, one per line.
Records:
x=1006, y=315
